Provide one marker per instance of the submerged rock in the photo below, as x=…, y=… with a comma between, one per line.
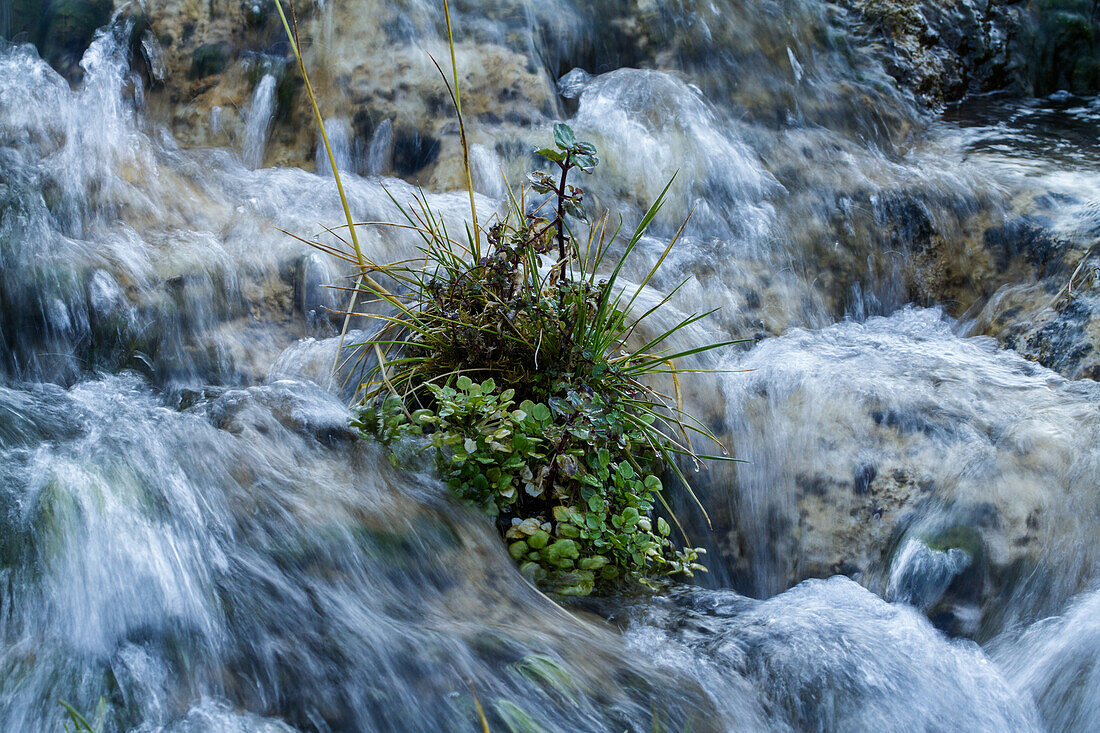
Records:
x=829, y=655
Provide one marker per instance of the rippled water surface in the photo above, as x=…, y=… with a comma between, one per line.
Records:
x=190, y=530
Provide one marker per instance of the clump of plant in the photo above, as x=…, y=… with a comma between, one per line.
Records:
x=567, y=454
x=523, y=370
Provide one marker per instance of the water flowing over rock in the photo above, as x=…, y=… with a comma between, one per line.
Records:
x=190, y=529
x=875, y=666
x=866, y=437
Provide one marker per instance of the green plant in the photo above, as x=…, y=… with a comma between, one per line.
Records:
x=573, y=504
x=572, y=473
x=567, y=458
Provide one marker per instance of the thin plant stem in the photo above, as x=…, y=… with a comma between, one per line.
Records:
x=292, y=37
x=462, y=131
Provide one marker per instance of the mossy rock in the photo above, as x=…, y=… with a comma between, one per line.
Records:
x=61, y=29
x=257, y=13
x=69, y=28
x=957, y=613
x=960, y=537
x=208, y=60
x=25, y=21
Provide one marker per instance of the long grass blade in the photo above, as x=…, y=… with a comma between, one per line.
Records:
x=457, y=94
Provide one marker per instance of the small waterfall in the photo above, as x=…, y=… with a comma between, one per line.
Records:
x=257, y=124
x=380, y=152
x=485, y=167
x=341, y=138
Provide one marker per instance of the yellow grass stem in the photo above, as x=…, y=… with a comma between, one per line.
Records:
x=462, y=132
x=292, y=36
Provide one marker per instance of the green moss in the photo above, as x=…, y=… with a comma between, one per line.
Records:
x=61, y=29
x=960, y=537
x=207, y=60
x=24, y=21
x=72, y=23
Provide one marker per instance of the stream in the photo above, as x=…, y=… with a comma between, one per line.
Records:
x=190, y=530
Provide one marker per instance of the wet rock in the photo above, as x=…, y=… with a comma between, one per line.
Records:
x=864, y=475
x=1050, y=312
x=978, y=457
x=1062, y=45
x=412, y=152
x=944, y=51
x=920, y=574
x=369, y=73
x=1027, y=236
x=301, y=408
x=23, y=21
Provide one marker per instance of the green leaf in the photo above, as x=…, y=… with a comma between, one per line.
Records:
x=563, y=136
x=551, y=154
x=516, y=719
x=592, y=563
x=529, y=526
x=464, y=383
x=562, y=549
x=540, y=412
x=662, y=527
x=586, y=162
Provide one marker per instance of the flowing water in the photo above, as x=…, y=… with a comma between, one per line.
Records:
x=190, y=530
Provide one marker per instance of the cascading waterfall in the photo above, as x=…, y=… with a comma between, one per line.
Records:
x=257, y=125
x=380, y=152
x=190, y=530
x=340, y=140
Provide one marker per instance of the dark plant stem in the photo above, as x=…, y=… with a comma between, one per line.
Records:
x=552, y=458
x=561, y=210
